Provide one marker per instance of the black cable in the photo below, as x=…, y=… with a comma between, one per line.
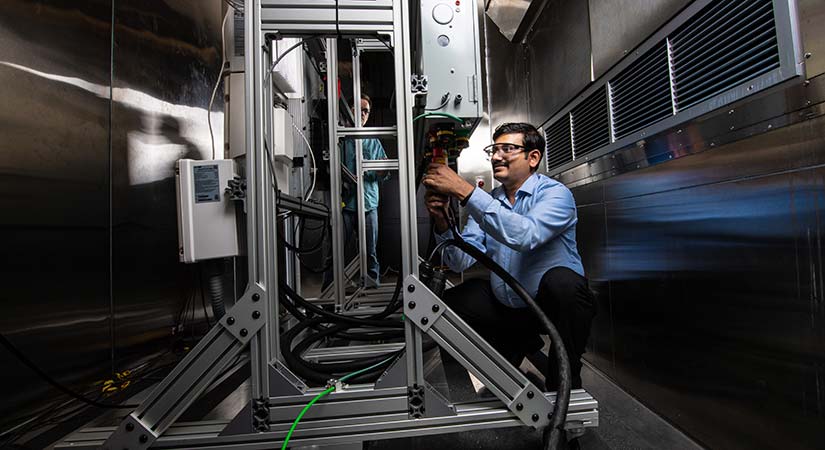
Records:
x=559, y=416
x=339, y=318
x=26, y=361
x=444, y=102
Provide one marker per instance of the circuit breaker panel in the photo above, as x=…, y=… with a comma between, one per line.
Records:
x=450, y=57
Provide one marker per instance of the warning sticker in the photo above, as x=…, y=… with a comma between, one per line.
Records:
x=207, y=184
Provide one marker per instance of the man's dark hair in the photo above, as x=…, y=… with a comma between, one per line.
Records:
x=533, y=138
x=367, y=98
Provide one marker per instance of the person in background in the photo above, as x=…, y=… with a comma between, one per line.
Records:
x=371, y=150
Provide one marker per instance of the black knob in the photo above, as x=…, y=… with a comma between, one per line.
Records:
x=244, y=332
x=411, y=288
x=256, y=314
x=435, y=308
x=530, y=394
x=411, y=305
x=519, y=406
x=535, y=417
x=256, y=297
x=424, y=320
x=130, y=426
x=144, y=439
x=230, y=320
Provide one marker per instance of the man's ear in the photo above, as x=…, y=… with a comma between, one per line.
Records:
x=534, y=158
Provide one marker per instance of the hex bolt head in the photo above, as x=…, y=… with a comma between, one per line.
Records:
x=130, y=427
x=244, y=332
x=230, y=320
x=143, y=439
x=424, y=321
x=519, y=406
x=535, y=417
x=411, y=288
x=256, y=297
x=256, y=314
x=411, y=305
x=530, y=394
x=435, y=308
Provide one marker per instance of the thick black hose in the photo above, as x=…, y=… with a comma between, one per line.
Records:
x=559, y=416
x=216, y=295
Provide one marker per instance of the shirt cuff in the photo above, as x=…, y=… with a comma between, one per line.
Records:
x=477, y=204
x=439, y=238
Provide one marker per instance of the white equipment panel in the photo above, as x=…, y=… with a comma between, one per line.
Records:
x=206, y=217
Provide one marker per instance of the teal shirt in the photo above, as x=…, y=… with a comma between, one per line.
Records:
x=372, y=149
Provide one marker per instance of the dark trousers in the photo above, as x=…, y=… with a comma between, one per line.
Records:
x=563, y=295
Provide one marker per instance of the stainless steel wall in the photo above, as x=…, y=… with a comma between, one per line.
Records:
x=703, y=244
x=55, y=127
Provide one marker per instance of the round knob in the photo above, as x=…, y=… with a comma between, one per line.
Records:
x=443, y=13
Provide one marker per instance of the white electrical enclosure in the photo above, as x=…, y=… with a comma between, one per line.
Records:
x=206, y=217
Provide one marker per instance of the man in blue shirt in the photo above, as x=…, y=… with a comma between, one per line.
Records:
x=528, y=226
x=371, y=150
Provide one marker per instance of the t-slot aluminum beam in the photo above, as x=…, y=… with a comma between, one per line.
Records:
x=453, y=334
x=357, y=423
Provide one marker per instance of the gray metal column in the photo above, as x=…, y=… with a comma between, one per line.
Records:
x=359, y=162
x=406, y=177
x=338, y=261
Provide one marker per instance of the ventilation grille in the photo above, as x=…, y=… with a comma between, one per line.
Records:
x=641, y=93
x=713, y=53
x=558, y=146
x=590, y=124
x=727, y=43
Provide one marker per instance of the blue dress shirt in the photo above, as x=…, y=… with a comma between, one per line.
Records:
x=527, y=238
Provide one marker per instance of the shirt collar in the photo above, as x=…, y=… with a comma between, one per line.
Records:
x=528, y=187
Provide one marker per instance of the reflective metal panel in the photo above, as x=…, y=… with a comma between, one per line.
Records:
x=558, y=49
x=713, y=266
x=506, y=72
x=618, y=26
x=54, y=71
x=166, y=62
x=811, y=18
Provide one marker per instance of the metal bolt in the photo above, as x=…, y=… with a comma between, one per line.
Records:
x=435, y=308
x=230, y=320
x=519, y=406
x=256, y=297
x=144, y=439
x=424, y=320
x=530, y=394
x=808, y=55
x=130, y=426
x=411, y=288
x=244, y=332
x=411, y=305
x=256, y=314
x=535, y=417
x=806, y=83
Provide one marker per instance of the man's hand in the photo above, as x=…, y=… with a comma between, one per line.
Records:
x=444, y=180
x=436, y=204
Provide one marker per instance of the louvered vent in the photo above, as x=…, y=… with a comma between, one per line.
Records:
x=558, y=147
x=641, y=92
x=590, y=123
x=713, y=53
x=725, y=44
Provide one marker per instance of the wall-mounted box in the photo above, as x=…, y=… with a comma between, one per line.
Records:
x=207, y=226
